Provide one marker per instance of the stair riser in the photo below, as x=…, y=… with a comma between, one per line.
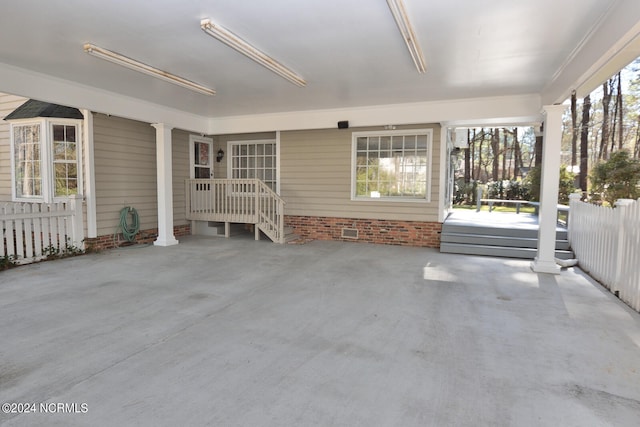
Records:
x=511, y=242
x=494, y=231
x=523, y=253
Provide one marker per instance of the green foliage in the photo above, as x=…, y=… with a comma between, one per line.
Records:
x=566, y=184
x=54, y=252
x=533, y=181
x=508, y=190
x=465, y=192
x=616, y=178
x=7, y=262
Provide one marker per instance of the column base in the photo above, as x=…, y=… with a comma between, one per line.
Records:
x=539, y=266
x=165, y=242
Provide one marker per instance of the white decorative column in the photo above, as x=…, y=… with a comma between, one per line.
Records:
x=165, y=185
x=89, y=175
x=549, y=177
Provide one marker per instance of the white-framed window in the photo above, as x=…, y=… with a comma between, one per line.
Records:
x=45, y=159
x=254, y=159
x=392, y=165
x=201, y=157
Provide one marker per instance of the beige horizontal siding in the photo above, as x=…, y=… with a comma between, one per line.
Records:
x=8, y=103
x=125, y=171
x=180, y=166
x=315, y=173
x=125, y=167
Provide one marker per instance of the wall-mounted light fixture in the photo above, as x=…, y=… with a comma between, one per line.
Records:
x=219, y=155
x=140, y=67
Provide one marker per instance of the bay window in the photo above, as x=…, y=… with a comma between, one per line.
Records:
x=45, y=157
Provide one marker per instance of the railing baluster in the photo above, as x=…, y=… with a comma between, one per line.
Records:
x=9, y=233
x=606, y=242
x=236, y=200
x=3, y=249
x=20, y=249
x=28, y=231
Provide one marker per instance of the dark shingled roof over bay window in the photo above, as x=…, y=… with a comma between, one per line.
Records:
x=34, y=108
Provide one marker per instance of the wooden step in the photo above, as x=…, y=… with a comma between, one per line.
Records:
x=493, y=240
x=525, y=232
x=498, y=251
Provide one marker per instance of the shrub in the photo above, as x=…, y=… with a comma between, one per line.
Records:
x=465, y=192
x=508, y=190
x=566, y=184
x=616, y=178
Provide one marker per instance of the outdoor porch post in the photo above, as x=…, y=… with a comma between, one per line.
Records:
x=165, y=185
x=550, y=175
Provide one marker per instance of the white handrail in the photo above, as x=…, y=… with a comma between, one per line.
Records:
x=248, y=201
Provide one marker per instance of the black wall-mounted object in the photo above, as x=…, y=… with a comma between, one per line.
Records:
x=343, y=124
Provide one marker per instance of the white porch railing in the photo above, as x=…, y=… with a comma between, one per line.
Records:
x=606, y=242
x=248, y=201
x=31, y=231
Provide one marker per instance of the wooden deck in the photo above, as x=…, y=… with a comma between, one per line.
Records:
x=497, y=234
x=521, y=221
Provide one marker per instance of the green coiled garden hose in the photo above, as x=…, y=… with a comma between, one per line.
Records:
x=129, y=231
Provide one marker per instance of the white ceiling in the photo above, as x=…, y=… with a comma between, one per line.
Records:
x=349, y=51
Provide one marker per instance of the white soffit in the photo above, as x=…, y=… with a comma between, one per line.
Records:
x=608, y=46
x=619, y=60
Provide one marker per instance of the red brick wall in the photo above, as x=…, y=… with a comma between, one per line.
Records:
x=389, y=232
x=143, y=237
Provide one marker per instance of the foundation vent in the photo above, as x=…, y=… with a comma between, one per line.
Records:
x=350, y=233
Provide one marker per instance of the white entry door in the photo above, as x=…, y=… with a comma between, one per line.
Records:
x=201, y=157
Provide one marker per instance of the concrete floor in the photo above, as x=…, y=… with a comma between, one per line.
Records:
x=243, y=333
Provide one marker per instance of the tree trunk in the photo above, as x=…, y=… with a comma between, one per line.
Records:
x=517, y=155
x=479, y=175
x=584, y=143
x=574, y=129
x=636, y=151
x=614, y=120
x=606, y=102
x=495, y=149
x=505, y=151
x=538, y=152
x=620, y=112
x=467, y=159
x=473, y=157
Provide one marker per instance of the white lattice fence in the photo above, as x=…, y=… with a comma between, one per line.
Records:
x=606, y=242
x=30, y=231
